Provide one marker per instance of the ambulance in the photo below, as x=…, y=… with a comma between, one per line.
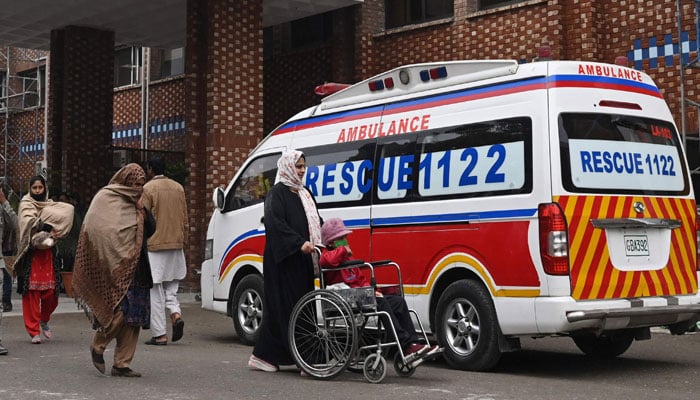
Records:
x=520, y=200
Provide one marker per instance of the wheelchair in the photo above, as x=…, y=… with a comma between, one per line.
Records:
x=331, y=330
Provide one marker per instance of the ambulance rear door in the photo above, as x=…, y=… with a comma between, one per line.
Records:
x=621, y=178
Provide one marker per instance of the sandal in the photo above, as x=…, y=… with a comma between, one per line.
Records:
x=178, y=329
x=155, y=342
x=98, y=360
x=125, y=372
x=46, y=330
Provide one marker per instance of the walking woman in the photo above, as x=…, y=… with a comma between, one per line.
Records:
x=41, y=222
x=292, y=229
x=112, y=277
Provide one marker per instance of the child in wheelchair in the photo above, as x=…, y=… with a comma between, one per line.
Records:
x=337, y=251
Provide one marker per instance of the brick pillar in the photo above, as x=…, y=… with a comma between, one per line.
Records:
x=80, y=110
x=223, y=103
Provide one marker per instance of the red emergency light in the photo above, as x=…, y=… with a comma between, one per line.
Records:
x=544, y=53
x=621, y=60
x=329, y=88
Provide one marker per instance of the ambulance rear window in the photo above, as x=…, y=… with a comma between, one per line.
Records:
x=610, y=153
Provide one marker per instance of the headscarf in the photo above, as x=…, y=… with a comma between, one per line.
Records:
x=287, y=174
x=109, y=246
x=32, y=214
x=43, y=196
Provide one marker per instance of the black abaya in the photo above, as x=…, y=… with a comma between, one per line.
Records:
x=287, y=272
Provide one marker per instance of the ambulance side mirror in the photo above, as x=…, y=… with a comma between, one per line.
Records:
x=219, y=198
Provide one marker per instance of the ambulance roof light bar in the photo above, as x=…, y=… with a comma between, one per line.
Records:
x=419, y=77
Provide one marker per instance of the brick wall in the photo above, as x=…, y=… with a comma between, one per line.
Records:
x=285, y=97
x=223, y=102
x=166, y=116
x=80, y=110
x=596, y=30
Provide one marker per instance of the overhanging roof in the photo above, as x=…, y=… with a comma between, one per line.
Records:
x=153, y=23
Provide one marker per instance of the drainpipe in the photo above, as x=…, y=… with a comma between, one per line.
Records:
x=145, y=79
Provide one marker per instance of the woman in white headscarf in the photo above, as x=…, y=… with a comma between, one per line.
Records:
x=292, y=229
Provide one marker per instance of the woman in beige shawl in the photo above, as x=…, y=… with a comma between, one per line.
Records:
x=111, y=276
x=41, y=223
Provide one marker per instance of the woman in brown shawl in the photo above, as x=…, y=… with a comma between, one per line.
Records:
x=111, y=277
x=41, y=222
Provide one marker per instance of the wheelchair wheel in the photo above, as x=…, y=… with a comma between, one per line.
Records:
x=370, y=334
x=401, y=368
x=374, y=368
x=322, y=334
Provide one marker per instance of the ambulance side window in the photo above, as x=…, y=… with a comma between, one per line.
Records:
x=396, y=168
x=489, y=158
x=254, y=183
x=340, y=175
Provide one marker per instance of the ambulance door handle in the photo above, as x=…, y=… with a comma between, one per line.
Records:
x=628, y=223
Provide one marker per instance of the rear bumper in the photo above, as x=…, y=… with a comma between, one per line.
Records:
x=640, y=314
x=562, y=315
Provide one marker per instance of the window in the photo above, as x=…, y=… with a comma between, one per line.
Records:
x=610, y=153
x=406, y=12
x=340, y=175
x=33, y=87
x=252, y=185
x=486, y=4
x=491, y=158
x=127, y=66
x=167, y=62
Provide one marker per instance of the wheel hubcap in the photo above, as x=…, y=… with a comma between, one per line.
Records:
x=250, y=312
x=462, y=327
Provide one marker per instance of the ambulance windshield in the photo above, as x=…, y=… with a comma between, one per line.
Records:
x=609, y=153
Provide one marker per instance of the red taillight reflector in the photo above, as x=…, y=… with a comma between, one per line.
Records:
x=554, y=246
x=619, y=104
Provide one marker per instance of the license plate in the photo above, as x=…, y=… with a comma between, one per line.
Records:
x=636, y=245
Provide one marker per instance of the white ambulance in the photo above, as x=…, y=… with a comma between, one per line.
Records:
x=520, y=200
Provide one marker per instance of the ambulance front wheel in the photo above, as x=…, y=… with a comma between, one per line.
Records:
x=467, y=326
x=247, y=308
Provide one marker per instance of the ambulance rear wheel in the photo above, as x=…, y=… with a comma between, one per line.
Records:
x=607, y=345
x=247, y=308
x=467, y=326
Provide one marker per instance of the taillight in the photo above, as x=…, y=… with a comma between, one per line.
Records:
x=554, y=242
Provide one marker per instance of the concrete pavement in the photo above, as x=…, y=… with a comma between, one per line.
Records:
x=67, y=304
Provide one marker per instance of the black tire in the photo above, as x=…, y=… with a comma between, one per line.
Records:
x=467, y=326
x=606, y=346
x=247, y=308
x=322, y=334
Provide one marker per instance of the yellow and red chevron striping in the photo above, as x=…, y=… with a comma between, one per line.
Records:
x=592, y=274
